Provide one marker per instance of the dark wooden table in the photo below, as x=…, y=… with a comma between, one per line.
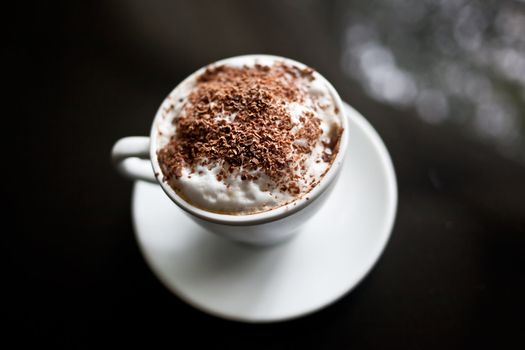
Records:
x=452, y=275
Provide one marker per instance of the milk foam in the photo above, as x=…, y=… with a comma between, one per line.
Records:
x=232, y=194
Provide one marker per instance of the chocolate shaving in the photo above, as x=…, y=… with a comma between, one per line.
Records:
x=237, y=117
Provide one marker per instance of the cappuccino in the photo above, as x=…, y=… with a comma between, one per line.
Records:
x=248, y=136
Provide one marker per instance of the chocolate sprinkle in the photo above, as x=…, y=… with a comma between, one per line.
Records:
x=237, y=118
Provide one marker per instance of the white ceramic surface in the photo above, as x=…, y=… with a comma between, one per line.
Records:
x=330, y=255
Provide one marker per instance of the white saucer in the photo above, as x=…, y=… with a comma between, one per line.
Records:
x=318, y=266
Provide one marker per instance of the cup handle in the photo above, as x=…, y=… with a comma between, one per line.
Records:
x=130, y=156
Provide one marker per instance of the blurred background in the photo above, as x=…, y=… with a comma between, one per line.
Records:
x=442, y=81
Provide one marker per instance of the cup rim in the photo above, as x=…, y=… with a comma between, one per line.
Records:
x=271, y=214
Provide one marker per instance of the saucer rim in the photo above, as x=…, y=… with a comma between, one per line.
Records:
x=388, y=225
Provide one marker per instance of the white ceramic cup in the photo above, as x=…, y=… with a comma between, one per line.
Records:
x=136, y=158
